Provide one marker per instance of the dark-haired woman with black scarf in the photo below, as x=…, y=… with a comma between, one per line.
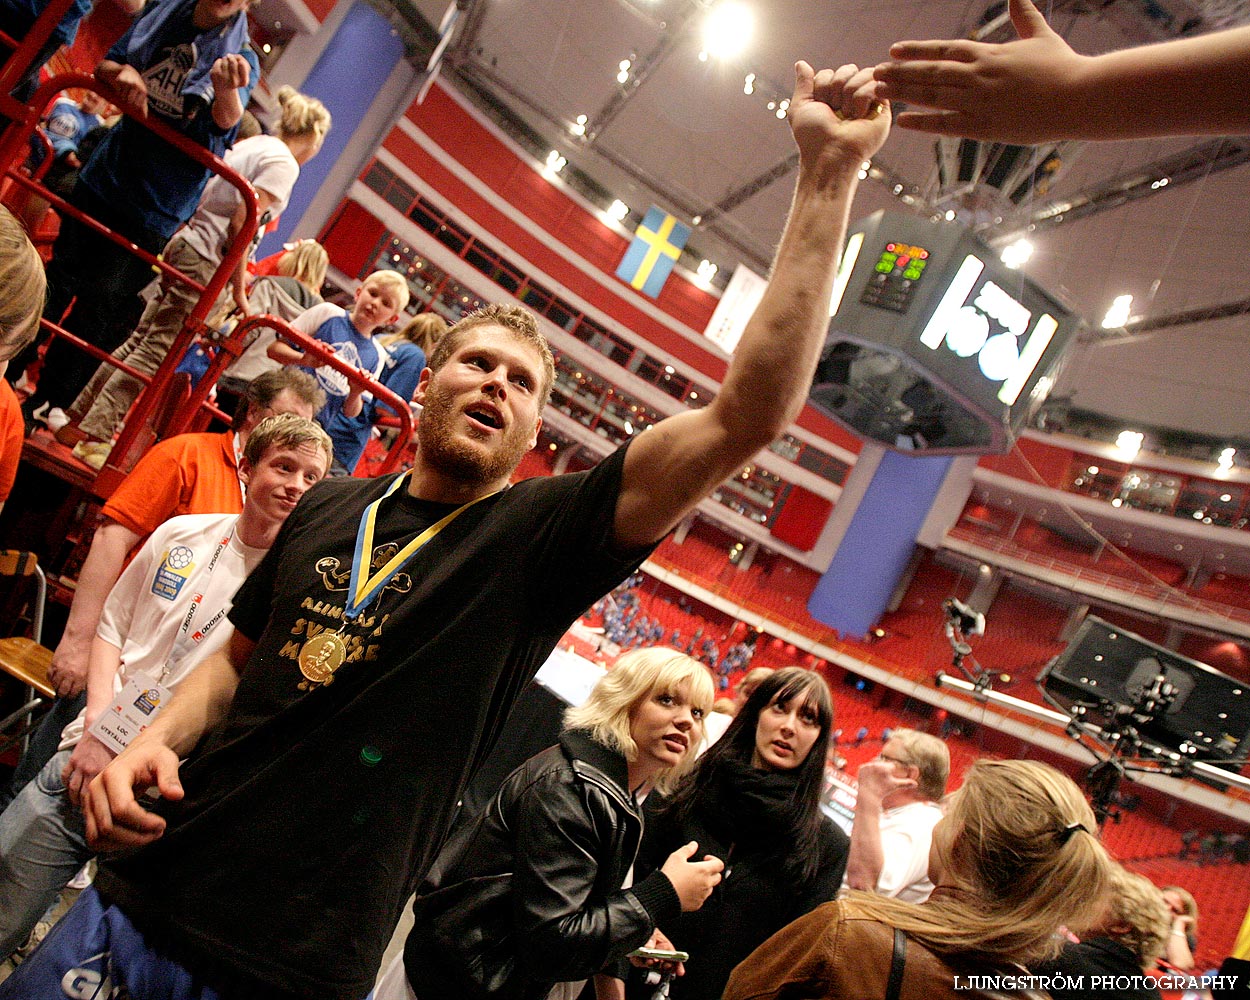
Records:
x=753, y=801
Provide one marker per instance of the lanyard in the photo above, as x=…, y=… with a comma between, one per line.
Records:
x=187, y=639
x=363, y=587
x=322, y=654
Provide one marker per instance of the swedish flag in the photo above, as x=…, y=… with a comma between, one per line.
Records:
x=650, y=258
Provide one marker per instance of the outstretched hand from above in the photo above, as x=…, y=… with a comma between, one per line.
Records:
x=1020, y=91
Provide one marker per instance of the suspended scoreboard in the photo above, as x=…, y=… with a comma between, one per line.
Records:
x=934, y=345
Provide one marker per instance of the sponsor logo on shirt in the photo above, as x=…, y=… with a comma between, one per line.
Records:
x=173, y=571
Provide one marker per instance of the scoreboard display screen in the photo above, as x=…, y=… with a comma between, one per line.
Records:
x=934, y=345
x=896, y=274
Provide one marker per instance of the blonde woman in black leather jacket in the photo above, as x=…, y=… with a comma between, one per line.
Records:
x=536, y=891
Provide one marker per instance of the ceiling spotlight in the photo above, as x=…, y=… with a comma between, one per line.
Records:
x=579, y=126
x=1129, y=443
x=622, y=76
x=697, y=219
x=555, y=162
x=706, y=271
x=1118, y=314
x=618, y=210
x=728, y=29
x=624, y=64
x=1225, y=463
x=950, y=215
x=1016, y=254
x=749, y=86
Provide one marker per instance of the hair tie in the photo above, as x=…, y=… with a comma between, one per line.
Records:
x=1066, y=833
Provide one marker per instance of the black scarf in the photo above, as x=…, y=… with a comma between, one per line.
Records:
x=747, y=808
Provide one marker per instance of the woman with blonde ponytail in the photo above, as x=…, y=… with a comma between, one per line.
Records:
x=1016, y=857
x=271, y=164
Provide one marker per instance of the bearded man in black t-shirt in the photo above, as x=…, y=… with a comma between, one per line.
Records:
x=381, y=642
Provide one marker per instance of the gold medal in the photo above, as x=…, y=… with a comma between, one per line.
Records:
x=321, y=655
x=324, y=653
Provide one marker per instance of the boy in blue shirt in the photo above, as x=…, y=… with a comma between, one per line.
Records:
x=380, y=299
x=188, y=64
x=69, y=121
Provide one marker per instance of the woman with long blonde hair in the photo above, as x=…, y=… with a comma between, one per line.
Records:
x=1016, y=857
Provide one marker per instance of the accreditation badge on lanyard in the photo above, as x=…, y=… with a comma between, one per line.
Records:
x=131, y=712
x=144, y=696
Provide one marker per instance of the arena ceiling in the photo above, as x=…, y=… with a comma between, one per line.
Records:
x=682, y=133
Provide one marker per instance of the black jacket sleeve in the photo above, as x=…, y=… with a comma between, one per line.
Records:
x=568, y=923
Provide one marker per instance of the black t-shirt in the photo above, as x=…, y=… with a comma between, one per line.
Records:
x=311, y=814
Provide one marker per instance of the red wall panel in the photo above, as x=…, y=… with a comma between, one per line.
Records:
x=351, y=237
x=321, y=8
x=1051, y=462
x=802, y=518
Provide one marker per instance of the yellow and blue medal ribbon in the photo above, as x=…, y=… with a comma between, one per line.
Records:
x=363, y=587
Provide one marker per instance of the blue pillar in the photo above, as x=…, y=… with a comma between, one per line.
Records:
x=354, y=66
x=878, y=541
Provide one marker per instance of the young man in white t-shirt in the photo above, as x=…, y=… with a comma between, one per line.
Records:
x=165, y=613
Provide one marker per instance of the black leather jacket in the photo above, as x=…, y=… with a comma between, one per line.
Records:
x=529, y=894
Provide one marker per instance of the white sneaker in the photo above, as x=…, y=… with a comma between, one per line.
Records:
x=56, y=419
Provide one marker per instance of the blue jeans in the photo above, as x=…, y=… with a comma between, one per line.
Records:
x=42, y=844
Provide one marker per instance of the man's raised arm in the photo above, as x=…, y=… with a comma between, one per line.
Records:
x=114, y=817
x=680, y=460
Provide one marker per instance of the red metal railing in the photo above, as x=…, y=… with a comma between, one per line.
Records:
x=323, y=354
x=13, y=146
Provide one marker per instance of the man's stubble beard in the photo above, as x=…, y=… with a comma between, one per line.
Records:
x=443, y=450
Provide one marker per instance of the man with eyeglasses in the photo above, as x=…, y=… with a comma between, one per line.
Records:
x=897, y=809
